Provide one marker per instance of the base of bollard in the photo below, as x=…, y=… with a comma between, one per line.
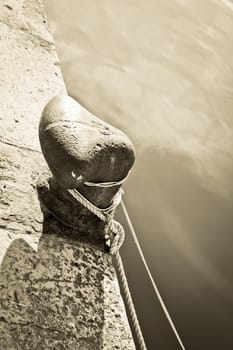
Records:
x=65, y=216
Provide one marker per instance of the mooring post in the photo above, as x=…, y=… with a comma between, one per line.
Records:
x=58, y=288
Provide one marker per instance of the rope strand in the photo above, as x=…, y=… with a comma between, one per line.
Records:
x=164, y=308
x=129, y=302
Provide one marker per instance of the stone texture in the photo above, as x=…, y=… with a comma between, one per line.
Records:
x=50, y=298
x=53, y=299
x=30, y=72
x=19, y=170
x=58, y=289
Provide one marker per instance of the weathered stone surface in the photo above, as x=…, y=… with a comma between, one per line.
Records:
x=74, y=141
x=19, y=170
x=116, y=334
x=58, y=289
x=54, y=297
x=30, y=72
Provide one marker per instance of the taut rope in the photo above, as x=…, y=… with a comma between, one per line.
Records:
x=156, y=290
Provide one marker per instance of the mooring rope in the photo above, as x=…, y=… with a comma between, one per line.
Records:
x=105, y=184
x=116, y=232
x=156, y=290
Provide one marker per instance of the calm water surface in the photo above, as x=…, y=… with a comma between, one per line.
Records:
x=162, y=71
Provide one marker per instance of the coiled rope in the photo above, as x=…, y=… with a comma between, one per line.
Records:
x=116, y=233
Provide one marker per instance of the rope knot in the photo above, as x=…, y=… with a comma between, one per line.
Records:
x=114, y=234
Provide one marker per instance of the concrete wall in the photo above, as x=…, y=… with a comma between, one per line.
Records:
x=58, y=290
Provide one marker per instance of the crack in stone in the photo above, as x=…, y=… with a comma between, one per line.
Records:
x=21, y=27
x=19, y=146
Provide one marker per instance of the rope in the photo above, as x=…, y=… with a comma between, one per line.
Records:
x=164, y=308
x=90, y=206
x=107, y=184
x=116, y=233
x=129, y=302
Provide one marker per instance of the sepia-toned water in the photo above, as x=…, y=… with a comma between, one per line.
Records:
x=162, y=71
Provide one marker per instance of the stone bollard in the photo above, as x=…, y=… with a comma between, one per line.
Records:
x=81, y=149
x=83, y=153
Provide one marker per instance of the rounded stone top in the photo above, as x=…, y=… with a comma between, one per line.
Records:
x=80, y=147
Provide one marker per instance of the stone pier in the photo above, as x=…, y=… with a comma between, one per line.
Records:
x=58, y=288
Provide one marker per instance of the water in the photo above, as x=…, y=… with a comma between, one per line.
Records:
x=162, y=71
